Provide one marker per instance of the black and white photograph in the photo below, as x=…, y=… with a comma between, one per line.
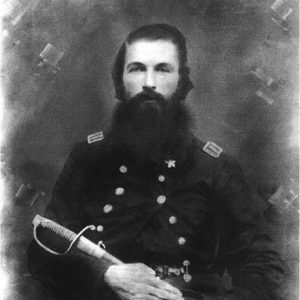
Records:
x=149, y=150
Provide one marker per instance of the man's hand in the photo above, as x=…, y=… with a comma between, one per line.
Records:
x=138, y=282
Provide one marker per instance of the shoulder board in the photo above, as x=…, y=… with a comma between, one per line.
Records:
x=95, y=137
x=212, y=149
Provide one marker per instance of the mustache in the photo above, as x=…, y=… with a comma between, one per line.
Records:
x=146, y=95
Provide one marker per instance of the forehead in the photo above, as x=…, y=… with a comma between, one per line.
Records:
x=158, y=51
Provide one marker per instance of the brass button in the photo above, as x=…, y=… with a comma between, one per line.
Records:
x=161, y=178
x=161, y=199
x=172, y=220
x=177, y=272
x=186, y=263
x=119, y=191
x=187, y=277
x=181, y=241
x=107, y=208
x=123, y=169
x=100, y=228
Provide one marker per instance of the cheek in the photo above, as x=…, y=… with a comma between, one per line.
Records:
x=169, y=85
x=132, y=84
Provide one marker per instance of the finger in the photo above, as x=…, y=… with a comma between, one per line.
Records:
x=142, y=267
x=126, y=296
x=138, y=269
x=158, y=283
x=143, y=297
x=160, y=293
x=123, y=295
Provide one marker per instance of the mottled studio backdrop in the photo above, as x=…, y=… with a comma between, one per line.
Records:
x=56, y=66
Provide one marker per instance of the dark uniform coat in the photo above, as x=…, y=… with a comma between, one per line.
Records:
x=187, y=209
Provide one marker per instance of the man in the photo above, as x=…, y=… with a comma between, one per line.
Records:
x=177, y=212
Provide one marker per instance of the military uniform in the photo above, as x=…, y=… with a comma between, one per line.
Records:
x=189, y=215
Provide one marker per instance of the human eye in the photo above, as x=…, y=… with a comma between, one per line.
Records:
x=163, y=69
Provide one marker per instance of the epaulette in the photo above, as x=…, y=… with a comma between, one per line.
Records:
x=212, y=149
x=95, y=137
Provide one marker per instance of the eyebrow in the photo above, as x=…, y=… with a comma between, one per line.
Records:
x=170, y=66
x=134, y=64
x=138, y=64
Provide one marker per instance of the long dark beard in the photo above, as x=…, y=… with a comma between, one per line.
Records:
x=153, y=125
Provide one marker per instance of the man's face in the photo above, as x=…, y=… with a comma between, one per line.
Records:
x=151, y=65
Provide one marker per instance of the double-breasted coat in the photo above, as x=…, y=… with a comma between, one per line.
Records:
x=189, y=209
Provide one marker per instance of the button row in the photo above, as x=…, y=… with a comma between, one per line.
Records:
x=161, y=199
x=123, y=169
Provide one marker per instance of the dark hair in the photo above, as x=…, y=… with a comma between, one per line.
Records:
x=154, y=32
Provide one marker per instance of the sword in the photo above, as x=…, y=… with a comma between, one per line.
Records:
x=77, y=240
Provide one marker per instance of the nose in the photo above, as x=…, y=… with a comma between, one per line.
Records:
x=149, y=81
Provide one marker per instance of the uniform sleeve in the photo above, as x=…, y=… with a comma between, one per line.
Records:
x=74, y=275
x=246, y=248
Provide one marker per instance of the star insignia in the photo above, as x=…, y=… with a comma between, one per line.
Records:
x=171, y=163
